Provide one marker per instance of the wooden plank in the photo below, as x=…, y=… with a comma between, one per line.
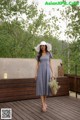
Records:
x=18, y=89
x=59, y=108
x=65, y=109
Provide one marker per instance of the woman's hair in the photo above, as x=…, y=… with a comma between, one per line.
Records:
x=40, y=52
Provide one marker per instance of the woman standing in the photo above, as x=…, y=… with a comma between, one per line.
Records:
x=43, y=69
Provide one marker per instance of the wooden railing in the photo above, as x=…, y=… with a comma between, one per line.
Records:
x=74, y=83
x=21, y=89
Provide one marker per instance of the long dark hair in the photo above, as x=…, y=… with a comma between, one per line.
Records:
x=40, y=52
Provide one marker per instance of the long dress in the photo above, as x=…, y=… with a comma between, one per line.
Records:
x=43, y=76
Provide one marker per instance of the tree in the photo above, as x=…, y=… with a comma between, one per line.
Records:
x=73, y=27
x=71, y=15
x=73, y=31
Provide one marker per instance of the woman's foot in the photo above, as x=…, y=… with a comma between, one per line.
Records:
x=44, y=108
x=45, y=105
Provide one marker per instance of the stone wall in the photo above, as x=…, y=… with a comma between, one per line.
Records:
x=22, y=68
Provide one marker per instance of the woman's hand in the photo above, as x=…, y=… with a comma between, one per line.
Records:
x=53, y=77
x=35, y=77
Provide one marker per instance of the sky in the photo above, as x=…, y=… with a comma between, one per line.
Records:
x=48, y=9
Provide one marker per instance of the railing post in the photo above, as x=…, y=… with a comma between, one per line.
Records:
x=76, y=70
x=76, y=86
x=76, y=79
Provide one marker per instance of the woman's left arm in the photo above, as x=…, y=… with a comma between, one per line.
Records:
x=51, y=68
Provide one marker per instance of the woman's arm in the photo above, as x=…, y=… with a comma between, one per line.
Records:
x=37, y=66
x=51, y=68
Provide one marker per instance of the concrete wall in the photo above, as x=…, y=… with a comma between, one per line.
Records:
x=22, y=68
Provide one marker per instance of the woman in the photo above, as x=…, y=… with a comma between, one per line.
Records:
x=43, y=69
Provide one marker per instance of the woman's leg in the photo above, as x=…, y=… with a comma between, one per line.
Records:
x=43, y=103
x=42, y=100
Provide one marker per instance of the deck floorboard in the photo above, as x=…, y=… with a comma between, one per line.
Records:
x=59, y=108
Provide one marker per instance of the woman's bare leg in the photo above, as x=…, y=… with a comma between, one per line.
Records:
x=42, y=100
x=43, y=103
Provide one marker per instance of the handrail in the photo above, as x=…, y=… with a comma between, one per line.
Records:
x=74, y=83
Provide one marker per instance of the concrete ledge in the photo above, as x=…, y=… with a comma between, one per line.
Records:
x=22, y=68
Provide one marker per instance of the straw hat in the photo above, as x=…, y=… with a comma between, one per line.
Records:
x=49, y=47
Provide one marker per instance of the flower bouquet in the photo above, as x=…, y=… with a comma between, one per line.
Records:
x=54, y=86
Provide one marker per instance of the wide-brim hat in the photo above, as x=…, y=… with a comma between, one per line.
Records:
x=49, y=46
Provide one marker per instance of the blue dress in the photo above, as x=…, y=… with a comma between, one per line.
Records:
x=43, y=76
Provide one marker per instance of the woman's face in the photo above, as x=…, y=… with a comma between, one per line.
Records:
x=43, y=47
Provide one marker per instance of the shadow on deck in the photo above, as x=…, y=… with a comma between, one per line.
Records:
x=59, y=108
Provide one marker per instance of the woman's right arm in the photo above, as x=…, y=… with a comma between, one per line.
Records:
x=37, y=66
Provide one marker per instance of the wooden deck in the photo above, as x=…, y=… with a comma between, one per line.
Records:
x=59, y=108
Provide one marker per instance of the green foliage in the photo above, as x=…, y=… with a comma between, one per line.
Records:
x=73, y=27
x=73, y=31
x=19, y=36
x=71, y=15
x=14, y=41
x=19, y=39
x=75, y=55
